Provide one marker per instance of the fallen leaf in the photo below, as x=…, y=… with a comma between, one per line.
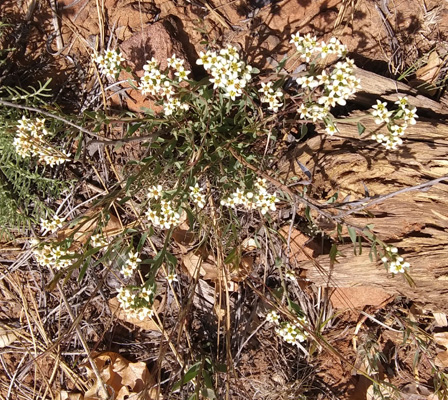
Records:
x=429, y=72
x=122, y=376
x=441, y=338
x=195, y=264
x=440, y=319
x=147, y=324
x=183, y=237
x=63, y=395
x=86, y=227
x=248, y=244
x=244, y=269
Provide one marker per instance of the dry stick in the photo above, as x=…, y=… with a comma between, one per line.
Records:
x=50, y=115
x=57, y=29
x=366, y=202
x=225, y=275
x=83, y=341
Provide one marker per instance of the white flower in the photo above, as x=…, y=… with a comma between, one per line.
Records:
x=155, y=192
x=182, y=74
x=98, y=240
x=273, y=317
x=171, y=277
x=290, y=275
x=331, y=129
x=402, y=102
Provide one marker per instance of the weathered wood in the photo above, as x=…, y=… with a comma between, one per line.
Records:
x=415, y=222
x=373, y=86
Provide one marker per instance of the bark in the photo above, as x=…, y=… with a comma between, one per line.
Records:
x=416, y=222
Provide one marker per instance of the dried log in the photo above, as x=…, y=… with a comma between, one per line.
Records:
x=415, y=222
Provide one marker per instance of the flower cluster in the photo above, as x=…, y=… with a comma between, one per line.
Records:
x=394, y=262
x=251, y=200
x=109, y=63
x=332, y=87
x=162, y=214
x=51, y=256
x=53, y=225
x=308, y=46
x=292, y=333
x=396, y=129
x=228, y=72
x=130, y=265
x=30, y=141
x=137, y=305
x=157, y=84
x=196, y=196
x=271, y=96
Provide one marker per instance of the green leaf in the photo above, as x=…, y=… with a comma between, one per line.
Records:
x=207, y=379
x=333, y=198
x=171, y=258
x=208, y=393
x=352, y=233
x=303, y=131
x=296, y=308
x=308, y=215
x=78, y=149
x=221, y=368
x=189, y=375
x=361, y=128
x=133, y=127
x=334, y=253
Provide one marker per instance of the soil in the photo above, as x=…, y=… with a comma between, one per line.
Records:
x=386, y=37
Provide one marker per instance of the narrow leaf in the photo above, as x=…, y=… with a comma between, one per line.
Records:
x=305, y=170
x=361, y=128
x=352, y=233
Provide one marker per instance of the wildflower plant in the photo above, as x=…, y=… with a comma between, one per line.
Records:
x=31, y=149
x=204, y=167
x=204, y=142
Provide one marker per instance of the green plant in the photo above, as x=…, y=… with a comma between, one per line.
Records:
x=26, y=188
x=207, y=169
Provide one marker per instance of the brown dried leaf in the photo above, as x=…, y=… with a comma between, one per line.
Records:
x=195, y=264
x=430, y=71
x=147, y=324
x=63, y=395
x=244, y=269
x=441, y=338
x=86, y=227
x=248, y=244
x=183, y=237
x=124, y=377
